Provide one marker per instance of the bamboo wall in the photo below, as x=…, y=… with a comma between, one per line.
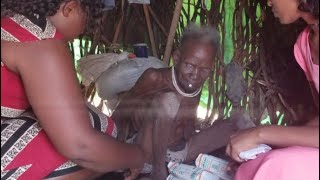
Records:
x=251, y=37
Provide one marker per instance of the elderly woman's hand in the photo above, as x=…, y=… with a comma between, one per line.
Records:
x=242, y=141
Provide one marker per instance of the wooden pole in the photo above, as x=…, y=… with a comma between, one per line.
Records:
x=151, y=36
x=118, y=28
x=154, y=16
x=172, y=33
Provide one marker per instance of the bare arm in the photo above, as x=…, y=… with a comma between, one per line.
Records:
x=48, y=74
x=123, y=114
x=281, y=136
x=190, y=117
x=167, y=107
x=131, y=111
x=290, y=136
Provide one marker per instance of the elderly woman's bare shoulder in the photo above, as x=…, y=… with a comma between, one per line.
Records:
x=155, y=75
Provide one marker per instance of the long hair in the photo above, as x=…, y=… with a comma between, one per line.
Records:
x=311, y=6
x=45, y=8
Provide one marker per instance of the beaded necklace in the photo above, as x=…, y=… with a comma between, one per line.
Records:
x=176, y=86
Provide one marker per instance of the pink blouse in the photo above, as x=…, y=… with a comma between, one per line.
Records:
x=303, y=57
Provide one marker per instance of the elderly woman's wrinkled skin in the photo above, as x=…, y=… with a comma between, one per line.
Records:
x=153, y=107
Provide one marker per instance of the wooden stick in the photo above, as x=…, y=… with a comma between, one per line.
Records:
x=116, y=34
x=154, y=16
x=72, y=48
x=151, y=36
x=286, y=105
x=188, y=14
x=118, y=29
x=81, y=46
x=173, y=28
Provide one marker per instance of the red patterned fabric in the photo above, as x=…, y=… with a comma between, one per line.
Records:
x=20, y=29
x=12, y=93
x=26, y=151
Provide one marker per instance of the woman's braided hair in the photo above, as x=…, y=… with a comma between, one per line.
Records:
x=45, y=8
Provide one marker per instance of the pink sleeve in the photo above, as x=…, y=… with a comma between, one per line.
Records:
x=292, y=163
x=301, y=52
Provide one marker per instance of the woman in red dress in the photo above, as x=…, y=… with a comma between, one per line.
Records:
x=47, y=129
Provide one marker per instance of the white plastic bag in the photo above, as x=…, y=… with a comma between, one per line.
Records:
x=139, y=1
x=252, y=153
x=215, y=165
x=188, y=172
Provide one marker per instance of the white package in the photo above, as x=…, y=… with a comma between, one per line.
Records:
x=188, y=172
x=252, y=153
x=172, y=177
x=215, y=165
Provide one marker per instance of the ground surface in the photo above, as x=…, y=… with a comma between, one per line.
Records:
x=119, y=175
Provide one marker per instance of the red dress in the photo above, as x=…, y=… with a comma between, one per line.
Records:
x=26, y=151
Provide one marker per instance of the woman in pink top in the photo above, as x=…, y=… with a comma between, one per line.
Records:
x=299, y=156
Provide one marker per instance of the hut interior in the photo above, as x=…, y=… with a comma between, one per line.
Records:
x=274, y=89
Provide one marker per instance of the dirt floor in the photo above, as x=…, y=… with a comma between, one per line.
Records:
x=112, y=176
x=119, y=175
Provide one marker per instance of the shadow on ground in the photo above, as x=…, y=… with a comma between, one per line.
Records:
x=220, y=153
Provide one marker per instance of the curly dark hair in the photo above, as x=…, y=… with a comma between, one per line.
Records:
x=311, y=6
x=45, y=8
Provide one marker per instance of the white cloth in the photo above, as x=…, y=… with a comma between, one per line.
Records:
x=122, y=76
x=90, y=67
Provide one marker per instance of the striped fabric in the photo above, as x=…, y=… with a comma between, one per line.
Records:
x=26, y=151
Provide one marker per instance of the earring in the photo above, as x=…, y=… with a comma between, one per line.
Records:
x=36, y=15
x=269, y=3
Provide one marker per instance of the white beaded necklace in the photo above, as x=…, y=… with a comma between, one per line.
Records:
x=174, y=82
